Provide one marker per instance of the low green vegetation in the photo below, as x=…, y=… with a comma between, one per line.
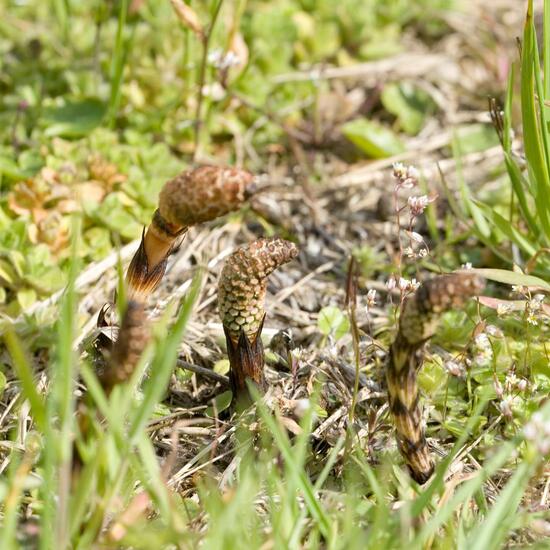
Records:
x=101, y=103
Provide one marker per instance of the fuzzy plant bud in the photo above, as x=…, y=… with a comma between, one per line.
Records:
x=241, y=295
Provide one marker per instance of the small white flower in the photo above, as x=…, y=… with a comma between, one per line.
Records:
x=505, y=407
x=494, y=331
x=530, y=431
x=520, y=289
x=503, y=309
x=531, y=319
x=483, y=350
x=467, y=265
x=482, y=341
x=522, y=384
x=391, y=283
x=416, y=237
x=454, y=368
x=398, y=169
x=499, y=390
x=371, y=298
x=403, y=284
x=417, y=204
x=221, y=60
x=406, y=176
x=511, y=380
x=423, y=252
x=414, y=284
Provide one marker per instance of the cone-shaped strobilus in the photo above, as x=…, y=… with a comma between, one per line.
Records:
x=193, y=197
x=418, y=323
x=241, y=295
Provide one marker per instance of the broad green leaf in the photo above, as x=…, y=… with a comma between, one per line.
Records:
x=476, y=137
x=74, y=119
x=221, y=403
x=221, y=366
x=372, y=138
x=409, y=104
x=511, y=278
x=26, y=297
x=333, y=322
x=10, y=169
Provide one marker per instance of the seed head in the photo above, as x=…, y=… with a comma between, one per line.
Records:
x=243, y=284
x=202, y=194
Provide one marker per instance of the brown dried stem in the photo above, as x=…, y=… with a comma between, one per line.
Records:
x=418, y=322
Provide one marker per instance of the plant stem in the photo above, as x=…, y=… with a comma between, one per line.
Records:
x=202, y=77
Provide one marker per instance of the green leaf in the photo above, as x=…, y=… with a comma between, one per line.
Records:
x=532, y=138
x=74, y=119
x=26, y=297
x=511, y=278
x=372, y=138
x=472, y=138
x=507, y=228
x=3, y=381
x=10, y=169
x=490, y=533
x=220, y=403
x=333, y=322
x=221, y=366
x=409, y=104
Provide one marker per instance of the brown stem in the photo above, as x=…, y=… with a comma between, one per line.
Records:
x=246, y=360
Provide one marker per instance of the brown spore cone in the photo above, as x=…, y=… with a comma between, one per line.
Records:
x=423, y=309
x=418, y=322
x=203, y=194
x=241, y=296
x=243, y=284
x=133, y=337
x=194, y=196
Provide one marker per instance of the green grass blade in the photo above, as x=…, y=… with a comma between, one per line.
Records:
x=507, y=228
x=493, y=530
x=118, y=63
x=546, y=49
x=533, y=142
x=25, y=374
x=438, y=480
x=299, y=475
